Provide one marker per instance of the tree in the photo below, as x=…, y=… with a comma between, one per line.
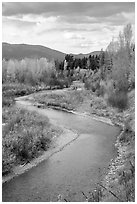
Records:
x=122, y=59
x=84, y=63
x=102, y=64
x=128, y=34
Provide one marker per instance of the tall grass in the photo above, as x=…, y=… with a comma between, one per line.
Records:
x=12, y=90
x=64, y=100
x=25, y=136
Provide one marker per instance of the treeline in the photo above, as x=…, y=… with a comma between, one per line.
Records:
x=91, y=62
x=116, y=74
x=32, y=72
x=41, y=71
x=77, y=68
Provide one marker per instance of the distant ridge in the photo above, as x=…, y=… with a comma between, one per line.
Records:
x=87, y=55
x=20, y=51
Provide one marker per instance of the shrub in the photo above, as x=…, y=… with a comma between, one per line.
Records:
x=93, y=81
x=132, y=72
x=101, y=88
x=25, y=136
x=90, y=85
x=29, y=144
x=87, y=85
x=12, y=90
x=96, y=195
x=128, y=134
x=6, y=101
x=4, y=71
x=7, y=163
x=118, y=100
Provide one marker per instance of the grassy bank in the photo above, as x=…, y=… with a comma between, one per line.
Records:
x=22, y=143
x=12, y=90
x=25, y=135
x=81, y=101
x=121, y=175
x=63, y=99
x=86, y=101
x=119, y=182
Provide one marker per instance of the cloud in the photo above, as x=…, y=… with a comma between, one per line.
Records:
x=114, y=19
x=73, y=36
x=91, y=9
x=67, y=26
x=77, y=19
x=17, y=22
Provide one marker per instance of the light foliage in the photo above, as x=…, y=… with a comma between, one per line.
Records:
x=28, y=71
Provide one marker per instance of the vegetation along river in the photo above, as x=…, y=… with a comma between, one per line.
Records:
x=74, y=169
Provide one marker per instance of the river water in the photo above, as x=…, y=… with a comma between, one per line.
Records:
x=78, y=167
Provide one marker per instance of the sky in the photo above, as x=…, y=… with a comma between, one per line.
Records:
x=70, y=27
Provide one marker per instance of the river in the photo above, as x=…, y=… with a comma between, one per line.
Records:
x=75, y=169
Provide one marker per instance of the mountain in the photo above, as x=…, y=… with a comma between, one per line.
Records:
x=20, y=51
x=87, y=55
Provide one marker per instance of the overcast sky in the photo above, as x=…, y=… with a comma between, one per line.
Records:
x=68, y=27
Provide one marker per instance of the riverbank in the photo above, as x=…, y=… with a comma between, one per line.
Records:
x=120, y=177
x=25, y=135
x=120, y=174
x=65, y=138
x=19, y=154
x=74, y=169
x=58, y=143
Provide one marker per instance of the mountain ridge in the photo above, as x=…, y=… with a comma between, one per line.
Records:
x=20, y=51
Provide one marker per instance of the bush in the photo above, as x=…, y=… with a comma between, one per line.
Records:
x=128, y=134
x=12, y=90
x=4, y=71
x=118, y=100
x=87, y=85
x=93, y=82
x=25, y=136
x=101, y=88
x=7, y=161
x=6, y=101
x=90, y=85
